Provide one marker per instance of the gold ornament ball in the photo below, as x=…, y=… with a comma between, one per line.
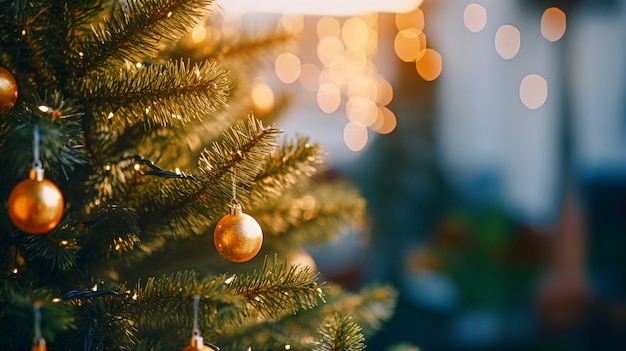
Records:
x=237, y=236
x=8, y=90
x=35, y=206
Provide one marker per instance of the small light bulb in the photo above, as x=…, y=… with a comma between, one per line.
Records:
x=229, y=280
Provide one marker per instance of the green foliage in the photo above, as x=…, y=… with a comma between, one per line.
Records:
x=136, y=31
x=340, y=333
x=492, y=259
x=148, y=148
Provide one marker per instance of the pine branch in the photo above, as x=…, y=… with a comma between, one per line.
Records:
x=113, y=231
x=304, y=217
x=340, y=333
x=55, y=251
x=228, y=302
x=37, y=49
x=276, y=290
x=136, y=32
x=294, y=163
x=244, y=49
x=181, y=208
x=371, y=307
x=61, y=145
x=17, y=312
x=164, y=95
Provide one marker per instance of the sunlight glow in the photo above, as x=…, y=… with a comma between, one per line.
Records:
x=319, y=7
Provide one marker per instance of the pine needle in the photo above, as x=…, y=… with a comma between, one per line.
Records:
x=340, y=333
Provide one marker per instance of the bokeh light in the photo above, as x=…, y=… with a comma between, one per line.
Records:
x=413, y=19
x=384, y=91
x=362, y=86
x=262, y=96
x=533, y=91
x=475, y=17
x=328, y=98
x=287, y=67
x=329, y=49
x=355, y=136
x=347, y=77
x=430, y=65
x=328, y=27
x=198, y=34
x=292, y=23
x=333, y=76
x=408, y=44
x=355, y=33
x=553, y=23
x=362, y=110
x=309, y=77
x=507, y=41
x=385, y=121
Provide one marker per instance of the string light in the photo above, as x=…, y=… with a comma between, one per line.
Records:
x=229, y=280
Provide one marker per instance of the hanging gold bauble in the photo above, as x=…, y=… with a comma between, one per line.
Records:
x=8, y=90
x=237, y=236
x=35, y=205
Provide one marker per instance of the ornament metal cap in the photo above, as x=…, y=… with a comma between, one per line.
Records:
x=39, y=345
x=197, y=342
x=235, y=208
x=36, y=173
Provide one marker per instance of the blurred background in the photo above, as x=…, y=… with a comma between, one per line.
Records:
x=489, y=139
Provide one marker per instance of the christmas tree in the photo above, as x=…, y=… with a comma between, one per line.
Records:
x=146, y=206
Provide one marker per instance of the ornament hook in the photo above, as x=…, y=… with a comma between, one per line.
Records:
x=234, y=177
x=37, y=166
x=39, y=343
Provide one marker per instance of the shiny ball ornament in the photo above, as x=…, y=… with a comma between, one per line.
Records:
x=8, y=90
x=237, y=236
x=35, y=205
